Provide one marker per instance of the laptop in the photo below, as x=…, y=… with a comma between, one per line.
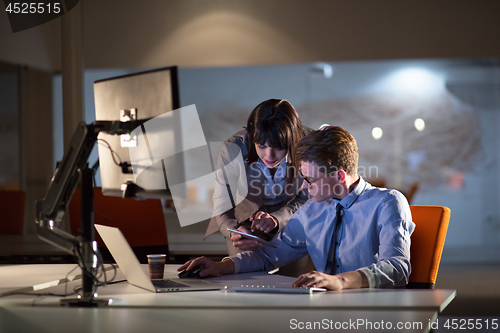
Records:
x=131, y=268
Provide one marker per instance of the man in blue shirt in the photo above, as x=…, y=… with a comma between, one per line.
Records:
x=357, y=235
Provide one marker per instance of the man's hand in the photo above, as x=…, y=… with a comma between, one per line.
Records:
x=210, y=268
x=263, y=221
x=241, y=243
x=348, y=280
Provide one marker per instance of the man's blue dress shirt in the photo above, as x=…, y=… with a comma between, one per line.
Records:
x=374, y=237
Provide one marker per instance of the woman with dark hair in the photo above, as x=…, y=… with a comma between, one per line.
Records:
x=259, y=193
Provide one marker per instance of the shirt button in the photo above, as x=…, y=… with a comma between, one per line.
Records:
x=338, y=266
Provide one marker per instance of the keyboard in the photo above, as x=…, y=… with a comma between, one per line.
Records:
x=274, y=289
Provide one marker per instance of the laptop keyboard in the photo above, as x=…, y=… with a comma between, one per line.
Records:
x=168, y=284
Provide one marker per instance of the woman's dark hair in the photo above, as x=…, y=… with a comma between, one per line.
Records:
x=276, y=122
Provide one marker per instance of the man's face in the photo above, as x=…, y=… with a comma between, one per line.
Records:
x=321, y=183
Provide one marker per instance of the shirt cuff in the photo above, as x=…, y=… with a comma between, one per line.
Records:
x=236, y=264
x=369, y=276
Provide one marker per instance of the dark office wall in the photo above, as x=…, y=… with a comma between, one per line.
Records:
x=36, y=139
x=26, y=134
x=201, y=33
x=222, y=33
x=10, y=160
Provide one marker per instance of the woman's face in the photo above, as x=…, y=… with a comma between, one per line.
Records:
x=271, y=157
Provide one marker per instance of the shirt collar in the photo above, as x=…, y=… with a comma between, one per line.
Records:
x=353, y=196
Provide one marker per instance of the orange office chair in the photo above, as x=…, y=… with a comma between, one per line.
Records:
x=427, y=242
x=142, y=222
x=12, y=204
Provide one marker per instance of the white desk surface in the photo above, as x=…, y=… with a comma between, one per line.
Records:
x=135, y=310
x=26, y=278
x=126, y=295
x=133, y=320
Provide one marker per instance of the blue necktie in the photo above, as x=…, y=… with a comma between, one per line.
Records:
x=332, y=253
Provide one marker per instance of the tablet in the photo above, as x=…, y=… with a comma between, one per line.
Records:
x=250, y=236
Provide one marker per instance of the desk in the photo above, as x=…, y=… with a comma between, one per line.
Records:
x=32, y=277
x=135, y=309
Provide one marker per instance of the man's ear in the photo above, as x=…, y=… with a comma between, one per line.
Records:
x=341, y=175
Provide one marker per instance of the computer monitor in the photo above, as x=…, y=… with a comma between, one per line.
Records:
x=138, y=96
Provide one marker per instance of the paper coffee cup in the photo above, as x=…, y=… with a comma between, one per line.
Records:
x=156, y=265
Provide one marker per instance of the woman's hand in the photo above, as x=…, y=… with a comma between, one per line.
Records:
x=263, y=221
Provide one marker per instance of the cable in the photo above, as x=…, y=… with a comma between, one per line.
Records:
x=113, y=153
x=96, y=275
x=39, y=294
x=126, y=167
x=67, y=280
x=97, y=272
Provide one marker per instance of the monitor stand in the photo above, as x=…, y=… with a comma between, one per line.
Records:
x=88, y=294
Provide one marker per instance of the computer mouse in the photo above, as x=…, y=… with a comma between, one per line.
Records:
x=194, y=273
